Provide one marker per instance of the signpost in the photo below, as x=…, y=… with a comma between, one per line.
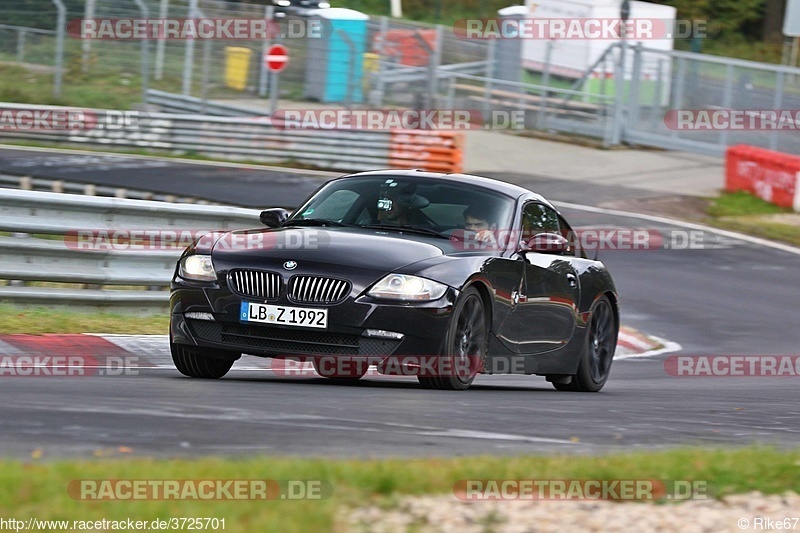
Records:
x=275, y=60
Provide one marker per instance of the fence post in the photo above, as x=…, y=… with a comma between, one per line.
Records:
x=491, y=59
x=633, y=96
x=727, y=100
x=678, y=93
x=21, y=45
x=380, y=86
x=777, y=102
x=619, y=86
x=348, y=99
x=435, y=58
x=206, y=72
x=269, y=14
x=163, y=10
x=657, y=94
x=188, y=58
x=86, y=45
x=145, y=50
x=62, y=21
x=541, y=118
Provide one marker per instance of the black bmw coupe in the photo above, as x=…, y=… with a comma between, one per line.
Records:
x=438, y=276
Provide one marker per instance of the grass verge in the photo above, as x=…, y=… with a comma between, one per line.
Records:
x=40, y=489
x=745, y=213
x=41, y=320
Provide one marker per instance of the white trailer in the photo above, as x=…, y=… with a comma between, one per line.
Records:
x=572, y=55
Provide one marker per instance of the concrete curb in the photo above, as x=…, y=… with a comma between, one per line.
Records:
x=107, y=351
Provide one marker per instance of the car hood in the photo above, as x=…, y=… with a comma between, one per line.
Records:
x=312, y=248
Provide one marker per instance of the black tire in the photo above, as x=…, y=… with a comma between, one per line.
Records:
x=197, y=363
x=352, y=374
x=598, y=353
x=465, y=345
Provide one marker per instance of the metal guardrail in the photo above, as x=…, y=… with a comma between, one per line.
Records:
x=254, y=139
x=178, y=103
x=393, y=73
x=28, y=183
x=45, y=246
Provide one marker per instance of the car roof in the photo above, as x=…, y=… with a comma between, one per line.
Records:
x=509, y=189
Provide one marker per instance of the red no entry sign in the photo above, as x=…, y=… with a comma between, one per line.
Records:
x=276, y=58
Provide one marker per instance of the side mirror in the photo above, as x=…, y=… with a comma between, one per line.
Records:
x=546, y=243
x=273, y=218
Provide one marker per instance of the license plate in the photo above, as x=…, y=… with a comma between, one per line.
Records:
x=285, y=316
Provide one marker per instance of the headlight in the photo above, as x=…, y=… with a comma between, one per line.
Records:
x=403, y=287
x=324, y=5
x=198, y=268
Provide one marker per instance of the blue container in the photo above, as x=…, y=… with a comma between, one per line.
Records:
x=335, y=62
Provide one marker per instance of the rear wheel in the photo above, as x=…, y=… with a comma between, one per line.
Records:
x=465, y=347
x=200, y=363
x=598, y=354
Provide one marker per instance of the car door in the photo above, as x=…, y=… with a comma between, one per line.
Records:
x=544, y=312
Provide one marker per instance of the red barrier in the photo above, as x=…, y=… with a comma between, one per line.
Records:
x=772, y=176
x=407, y=47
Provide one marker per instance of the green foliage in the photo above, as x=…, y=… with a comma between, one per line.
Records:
x=37, y=13
x=37, y=488
x=724, y=16
x=742, y=203
x=442, y=11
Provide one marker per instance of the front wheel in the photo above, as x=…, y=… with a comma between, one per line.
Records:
x=598, y=354
x=465, y=347
x=198, y=363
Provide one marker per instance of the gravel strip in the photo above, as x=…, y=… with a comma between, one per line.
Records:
x=446, y=514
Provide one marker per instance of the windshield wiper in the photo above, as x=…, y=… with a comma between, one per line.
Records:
x=410, y=228
x=315, y=222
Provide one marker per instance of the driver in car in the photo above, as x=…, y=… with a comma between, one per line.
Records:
x=479, y=226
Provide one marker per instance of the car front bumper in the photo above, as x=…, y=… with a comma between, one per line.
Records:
x=208, y=317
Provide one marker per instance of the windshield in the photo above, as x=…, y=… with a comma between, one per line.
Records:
x=407, y=203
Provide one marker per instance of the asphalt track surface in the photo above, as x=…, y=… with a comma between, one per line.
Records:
x=730, y=298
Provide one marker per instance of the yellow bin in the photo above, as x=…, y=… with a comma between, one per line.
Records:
x=371, y=65
x=237, y=66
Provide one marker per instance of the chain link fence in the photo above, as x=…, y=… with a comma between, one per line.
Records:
x=411, y=65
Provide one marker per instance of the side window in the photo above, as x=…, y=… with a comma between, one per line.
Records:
x=537, y=218
x=335, y=206
x=568, y=233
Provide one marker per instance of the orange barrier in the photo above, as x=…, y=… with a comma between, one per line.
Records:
x=405, y=47
x=436, y=151
x=772, y=176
